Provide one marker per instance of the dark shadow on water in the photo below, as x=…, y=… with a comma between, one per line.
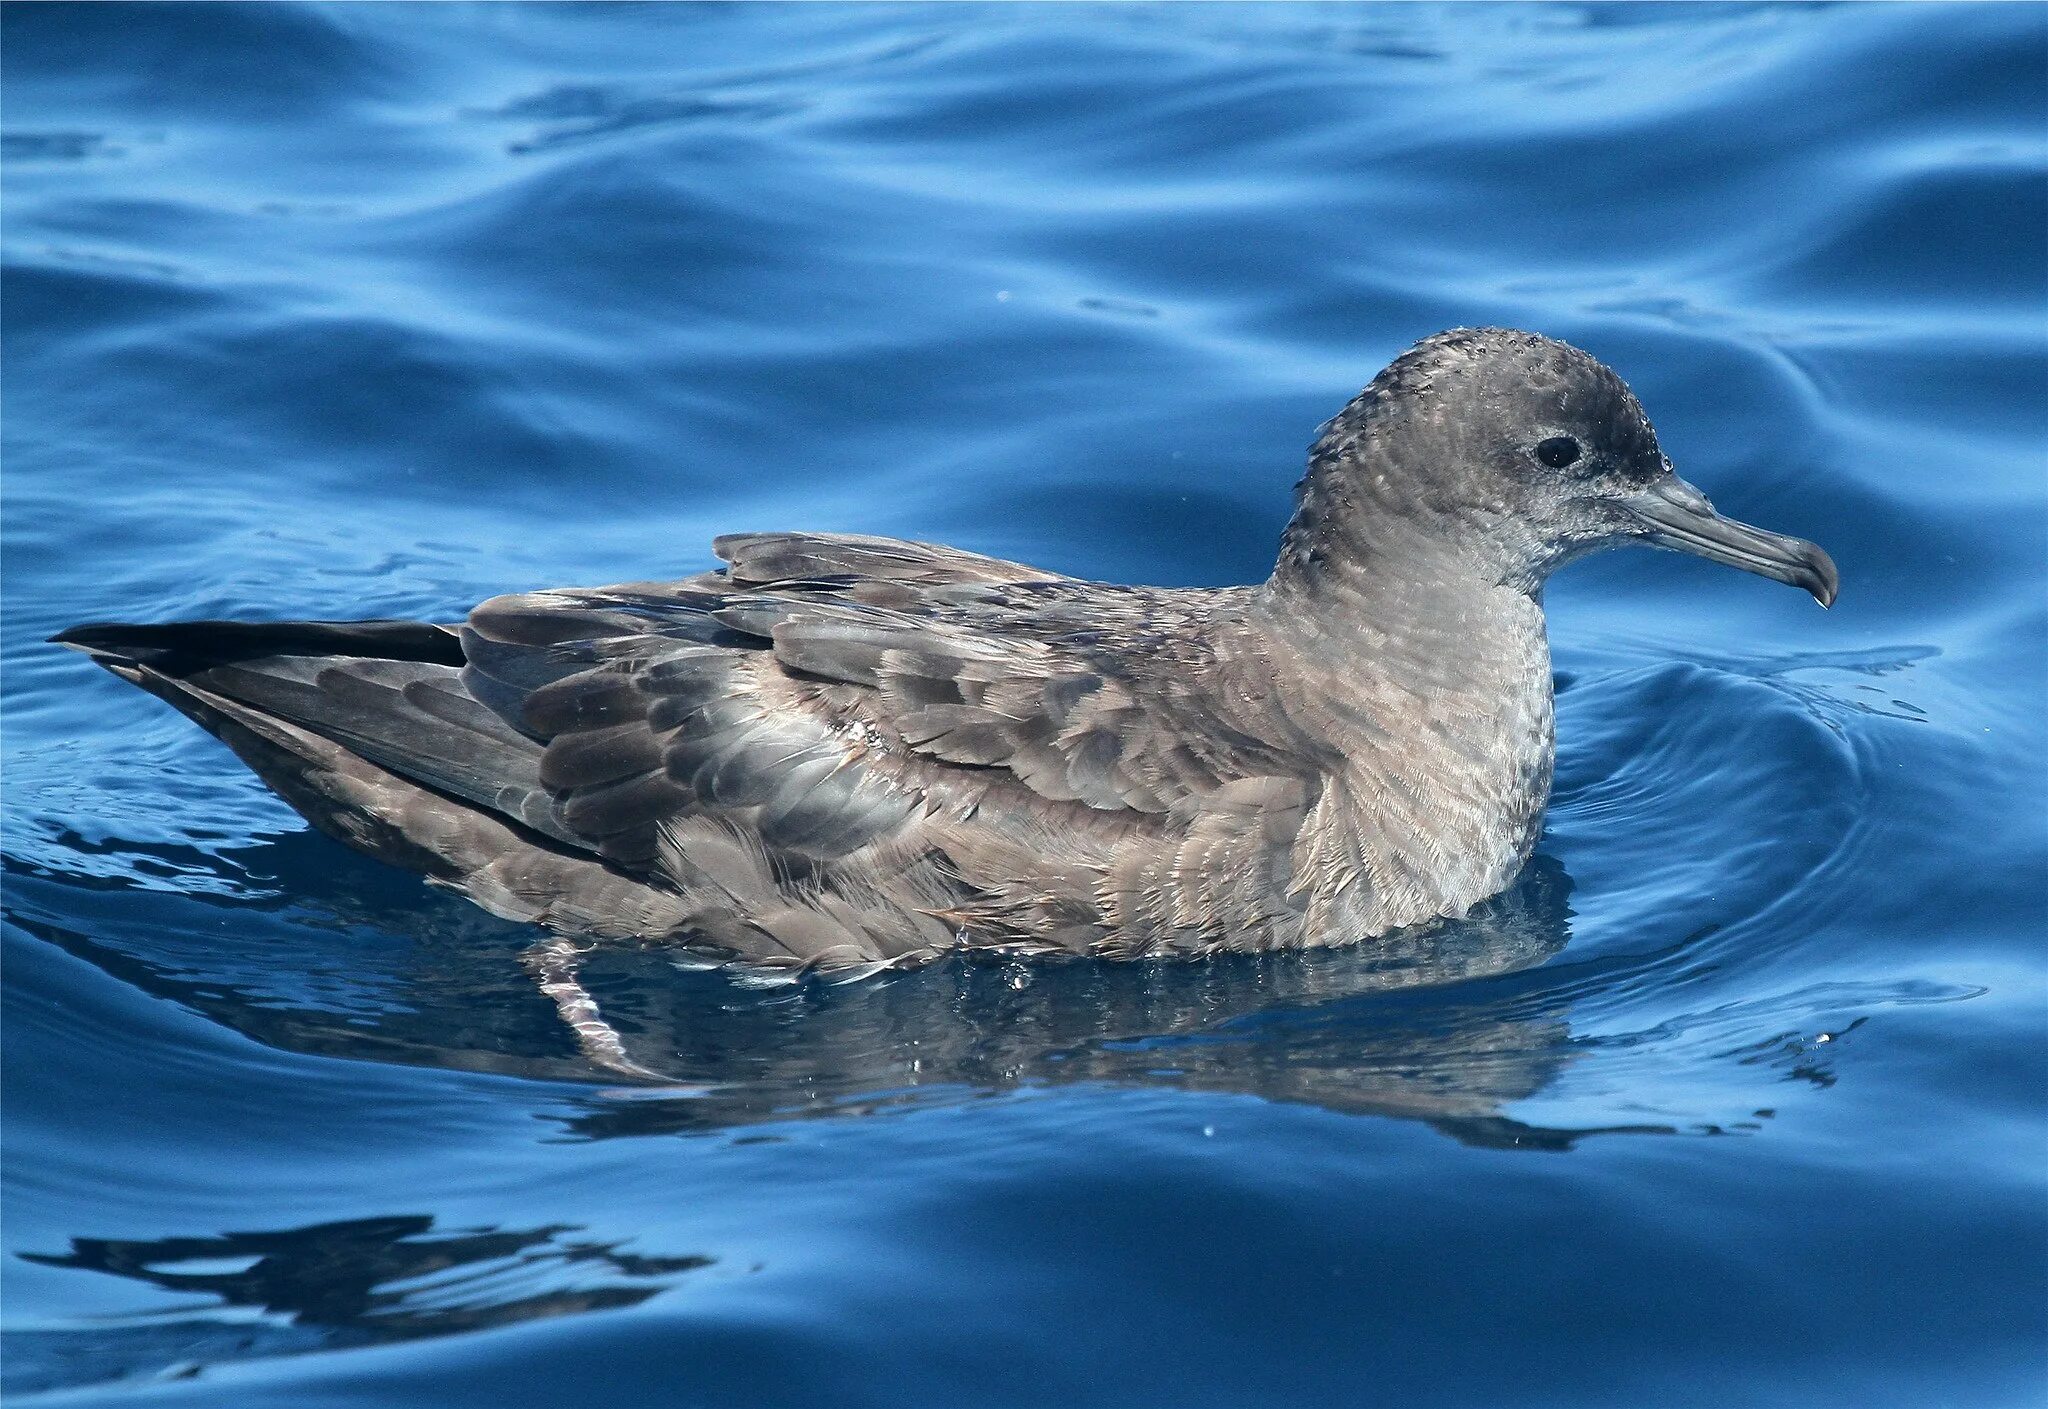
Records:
x=1445, y=1027
x=1429, y=1025
x=1424, y=1026
x=327, y=1286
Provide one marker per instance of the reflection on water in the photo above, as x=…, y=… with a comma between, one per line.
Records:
x=328, y=1286
x=1372, y=1030
x=1422, y=1026
x=1419, y=1028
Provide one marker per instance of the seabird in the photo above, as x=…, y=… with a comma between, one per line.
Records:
x=845, y=752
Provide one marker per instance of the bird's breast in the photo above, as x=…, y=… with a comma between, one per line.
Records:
x=1441, y=743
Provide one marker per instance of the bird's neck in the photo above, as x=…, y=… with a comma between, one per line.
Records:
x=1364, y=525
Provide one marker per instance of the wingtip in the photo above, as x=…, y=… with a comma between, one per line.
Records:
x=80, y=638
x=111, y=643
x=97, y=641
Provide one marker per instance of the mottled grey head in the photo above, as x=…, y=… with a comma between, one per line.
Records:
x=1514, y=453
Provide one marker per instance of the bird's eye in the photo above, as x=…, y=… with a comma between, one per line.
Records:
x=1558, y=451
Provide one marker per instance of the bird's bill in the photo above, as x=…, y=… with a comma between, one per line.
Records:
x=1672, y=514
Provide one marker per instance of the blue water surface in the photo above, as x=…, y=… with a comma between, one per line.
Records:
x=379, y=310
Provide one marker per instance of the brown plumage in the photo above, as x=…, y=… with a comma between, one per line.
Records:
x=843, y=751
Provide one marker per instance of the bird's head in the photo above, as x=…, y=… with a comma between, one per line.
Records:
x=1515, y=453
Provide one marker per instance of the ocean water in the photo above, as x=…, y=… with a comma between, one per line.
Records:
x=1737, y=1099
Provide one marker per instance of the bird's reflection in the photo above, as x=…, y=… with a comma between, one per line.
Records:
x=1448, y=1026
x=1403, y=1027
x=1429, y=1025
x=331, y=1285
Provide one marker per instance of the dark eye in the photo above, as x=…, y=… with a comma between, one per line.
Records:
x=1558, y=451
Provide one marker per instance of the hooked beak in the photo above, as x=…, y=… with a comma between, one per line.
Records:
x=1673, y=514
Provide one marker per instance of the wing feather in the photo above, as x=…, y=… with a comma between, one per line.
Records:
x=818, y=733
